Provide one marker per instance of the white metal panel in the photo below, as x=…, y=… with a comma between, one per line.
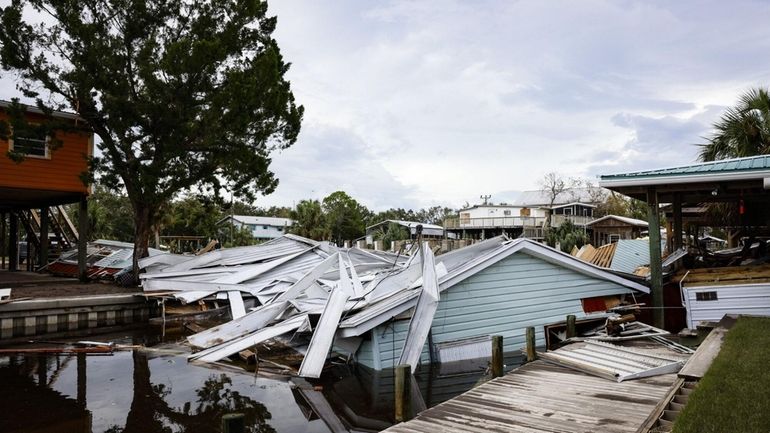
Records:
x=616, y=362
x=224, y=350
x=314, y=359
x=731, y=299
x=419, y=326
x=251, y=322
x=237, y=309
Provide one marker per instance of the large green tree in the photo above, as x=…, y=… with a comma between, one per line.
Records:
x=181, y=93
x=743, y=130
x=309, y=220
x=345, y=217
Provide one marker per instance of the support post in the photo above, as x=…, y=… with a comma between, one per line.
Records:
x=43, y=236
x=571, y=332
x=497, y=355
x=656, y=267
x=234, y=423
x=13, y=244
x=677, y=221
x=3, y=240
x=82, y=237
x=531, y=353
x=403, y=392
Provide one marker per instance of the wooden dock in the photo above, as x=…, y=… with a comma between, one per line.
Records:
x=541, y=397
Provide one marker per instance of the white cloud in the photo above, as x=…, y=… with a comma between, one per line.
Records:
x=415, y=103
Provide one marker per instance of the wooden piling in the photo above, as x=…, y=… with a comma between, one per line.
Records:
x=233, y=423
x=571, y=332
x=403, y=392
x=497, y=355
x=531, y=354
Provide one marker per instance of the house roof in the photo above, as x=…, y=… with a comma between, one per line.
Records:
x=484, y=206
x=754, y=167
x=460, y=268
x=541, y=198
x=627, y=220
x=260, y=220
x=34, y=109
x=408, y=224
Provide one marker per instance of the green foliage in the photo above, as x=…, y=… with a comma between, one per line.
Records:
x=567, y=235
x=734, y=395
x=193, y=216
x=180, y=93
x=109, y=215
x=345, y=217
x=617, y=204
x=309, y=220
x=236, y=236
x=743, y=130
x=391, y=232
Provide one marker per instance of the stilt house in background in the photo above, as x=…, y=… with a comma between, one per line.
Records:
x=32, y=190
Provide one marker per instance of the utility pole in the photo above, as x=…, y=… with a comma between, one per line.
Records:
x=485, y=198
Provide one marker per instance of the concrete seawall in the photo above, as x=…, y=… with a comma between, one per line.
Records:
x=65, y=315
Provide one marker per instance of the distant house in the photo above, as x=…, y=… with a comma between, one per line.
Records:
x=428, y=230
x=612, y=228
x=262, y=228
x=495, y=287
x=526, y=216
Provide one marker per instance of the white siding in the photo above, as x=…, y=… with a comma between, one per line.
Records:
x=733, y=299
x=504, y=299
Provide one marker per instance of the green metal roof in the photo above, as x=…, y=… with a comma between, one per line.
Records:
x=706, y=169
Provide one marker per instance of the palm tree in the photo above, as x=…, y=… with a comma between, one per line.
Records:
x=744, y=130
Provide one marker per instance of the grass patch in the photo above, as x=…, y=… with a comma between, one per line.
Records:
x=734, y=395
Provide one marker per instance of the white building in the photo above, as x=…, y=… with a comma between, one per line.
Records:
x=261, y=227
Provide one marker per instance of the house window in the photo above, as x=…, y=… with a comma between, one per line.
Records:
x=280, y=229
x=264, y=227
x=507, y=212
x=706, y=296
x=31, y=143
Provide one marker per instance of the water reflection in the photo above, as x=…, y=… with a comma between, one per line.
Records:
x=155, y=391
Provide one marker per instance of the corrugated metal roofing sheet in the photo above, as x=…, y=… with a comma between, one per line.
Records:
x=630, y=254
x=753, y=163
x=612, y=361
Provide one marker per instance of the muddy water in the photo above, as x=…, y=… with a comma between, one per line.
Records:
x=156, y=390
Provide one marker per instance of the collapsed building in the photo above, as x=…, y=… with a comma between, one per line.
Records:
x=382, y=309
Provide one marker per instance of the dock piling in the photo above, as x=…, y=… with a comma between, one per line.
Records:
x=497, y=355
x=571, y=332
x=531, y=354
x=403, y=392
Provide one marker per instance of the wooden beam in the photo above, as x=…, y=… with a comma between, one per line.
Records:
x=82, y=238
x=13, y=244
x=677, y=204
x=44, y=220
x=656, y=268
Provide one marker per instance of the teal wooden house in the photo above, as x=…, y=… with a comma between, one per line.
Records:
x=497, y=287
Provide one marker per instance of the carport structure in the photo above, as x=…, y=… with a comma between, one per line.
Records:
x=744, y=182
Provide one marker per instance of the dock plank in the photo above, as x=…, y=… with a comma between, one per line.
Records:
x=541, y=397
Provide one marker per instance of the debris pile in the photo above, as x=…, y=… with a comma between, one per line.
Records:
x=104, y=259
x=308, y=294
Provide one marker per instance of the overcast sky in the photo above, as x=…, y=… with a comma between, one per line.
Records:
x=413, y=104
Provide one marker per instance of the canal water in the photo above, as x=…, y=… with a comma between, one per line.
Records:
x=157, y=390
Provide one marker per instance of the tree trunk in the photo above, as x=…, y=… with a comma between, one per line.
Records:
x=142, y=231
